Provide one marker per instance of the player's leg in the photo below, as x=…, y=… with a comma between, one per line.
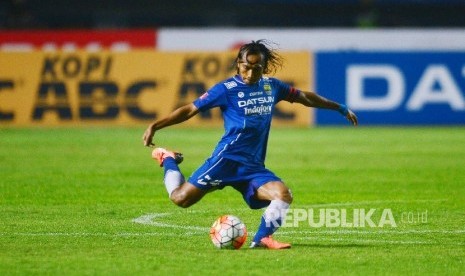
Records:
x=267, y=190
x=280, y=198
x=181, y=193
x=264, y=189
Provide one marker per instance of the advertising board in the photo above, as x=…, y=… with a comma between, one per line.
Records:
x=106, y=87
x=394, y=87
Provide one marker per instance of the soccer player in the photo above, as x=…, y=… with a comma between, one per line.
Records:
x=247, y=101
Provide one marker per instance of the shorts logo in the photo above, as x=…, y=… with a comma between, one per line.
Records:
x=207, y=180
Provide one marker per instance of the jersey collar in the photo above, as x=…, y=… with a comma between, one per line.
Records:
x=238, y=78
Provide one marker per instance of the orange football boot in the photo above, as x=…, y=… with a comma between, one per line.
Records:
x=270, y=243
x=160, y=154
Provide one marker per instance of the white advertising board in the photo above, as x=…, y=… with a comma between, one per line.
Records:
x=218, y=39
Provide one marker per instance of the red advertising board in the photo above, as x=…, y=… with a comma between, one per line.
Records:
x=27, y=40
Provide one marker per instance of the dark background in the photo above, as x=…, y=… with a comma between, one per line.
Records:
x=94, y=14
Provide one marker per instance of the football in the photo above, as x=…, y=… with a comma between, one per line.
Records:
x=228, y=232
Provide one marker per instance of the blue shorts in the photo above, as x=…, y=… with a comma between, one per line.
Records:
x=219, y=172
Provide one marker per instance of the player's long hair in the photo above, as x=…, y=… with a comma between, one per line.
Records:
x=273, y=61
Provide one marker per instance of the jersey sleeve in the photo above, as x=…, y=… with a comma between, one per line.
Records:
x=285, y=91
x=214, y=97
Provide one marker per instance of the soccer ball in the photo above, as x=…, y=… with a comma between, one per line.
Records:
x=228, y=232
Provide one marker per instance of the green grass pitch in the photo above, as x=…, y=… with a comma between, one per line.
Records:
x=90, y=201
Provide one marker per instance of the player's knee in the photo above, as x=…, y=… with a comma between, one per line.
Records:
x=286, y=195
x=181, y=199
x=275, y=190
x=186, y=195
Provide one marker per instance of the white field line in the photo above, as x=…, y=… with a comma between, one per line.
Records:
x=321, y=235
x=371, y=241
x=149, y=220
x=82, y=234
x=373, y=232
x=309, y=235
x=153, y=219
x=375, y=202
x=337, y=240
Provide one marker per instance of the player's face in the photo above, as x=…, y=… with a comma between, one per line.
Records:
x=251, y=68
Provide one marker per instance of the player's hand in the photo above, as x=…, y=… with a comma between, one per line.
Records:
x=148, y=137
x=352, y=118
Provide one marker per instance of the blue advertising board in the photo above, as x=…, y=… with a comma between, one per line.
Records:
x=393, y=88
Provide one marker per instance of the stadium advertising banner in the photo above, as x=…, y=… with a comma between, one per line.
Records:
x=70, y=40
x=106, y=87
x=388, y=76
x=394, y=88
x=312, y=39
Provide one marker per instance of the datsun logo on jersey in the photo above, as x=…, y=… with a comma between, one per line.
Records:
x=395, y=87
x=257, y=106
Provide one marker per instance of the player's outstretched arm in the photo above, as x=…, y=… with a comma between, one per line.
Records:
x=179, y=115
x=311, y=99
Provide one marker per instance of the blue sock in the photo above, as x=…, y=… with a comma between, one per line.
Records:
x=266, y=228
x=170, y=164
x=272, y=219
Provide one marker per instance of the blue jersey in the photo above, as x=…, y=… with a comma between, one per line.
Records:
x=247, y=113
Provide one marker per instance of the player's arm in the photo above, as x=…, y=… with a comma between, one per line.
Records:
x=311, y=99
x=179, y=115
